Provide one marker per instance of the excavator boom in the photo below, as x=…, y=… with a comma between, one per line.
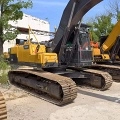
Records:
x=72, y=14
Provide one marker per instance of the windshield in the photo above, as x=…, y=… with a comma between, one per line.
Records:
x=84, y=41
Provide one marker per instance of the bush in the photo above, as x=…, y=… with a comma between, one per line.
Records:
x=4, y=68
x=4, y=78
x=3, y=65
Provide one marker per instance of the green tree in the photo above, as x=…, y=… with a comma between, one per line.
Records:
x=10, y=10
x=101, y=25
x=114, y=9
x=93, y=35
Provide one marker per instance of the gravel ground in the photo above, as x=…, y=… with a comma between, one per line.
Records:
x=89, y=105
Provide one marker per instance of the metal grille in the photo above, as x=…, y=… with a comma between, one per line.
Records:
x=85, y=55
x=79, y=58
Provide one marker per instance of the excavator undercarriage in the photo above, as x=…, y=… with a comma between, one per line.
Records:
x=59, y=87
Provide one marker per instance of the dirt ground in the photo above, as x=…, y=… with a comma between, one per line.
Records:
x=89, y=105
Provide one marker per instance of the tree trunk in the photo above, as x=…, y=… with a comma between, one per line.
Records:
x=1, y=47
x=1, y=28
x=1, y=39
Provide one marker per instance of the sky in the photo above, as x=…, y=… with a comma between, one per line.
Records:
x=51, y=10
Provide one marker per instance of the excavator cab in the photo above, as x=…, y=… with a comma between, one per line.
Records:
x=20, y=41
x=78, y=50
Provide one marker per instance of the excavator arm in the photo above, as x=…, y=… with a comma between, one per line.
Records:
x=111, y=42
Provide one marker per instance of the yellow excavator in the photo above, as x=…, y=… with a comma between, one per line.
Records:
x=109, y=46
x=107, y=54
x=54, y=68
x=3, y=110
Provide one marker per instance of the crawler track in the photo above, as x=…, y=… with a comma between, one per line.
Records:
x=113, y=70
x=54, y=88
x=96, y=78
x=3, y=111
x=105, y=78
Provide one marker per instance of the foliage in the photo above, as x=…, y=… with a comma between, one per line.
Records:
x=4, y=67
x=101, y=25
x=114, y=9
x=11, y=33
x=93, y=36
x=4, y=78
x=11, y=10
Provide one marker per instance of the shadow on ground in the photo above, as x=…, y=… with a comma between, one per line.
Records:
x=104, y=97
